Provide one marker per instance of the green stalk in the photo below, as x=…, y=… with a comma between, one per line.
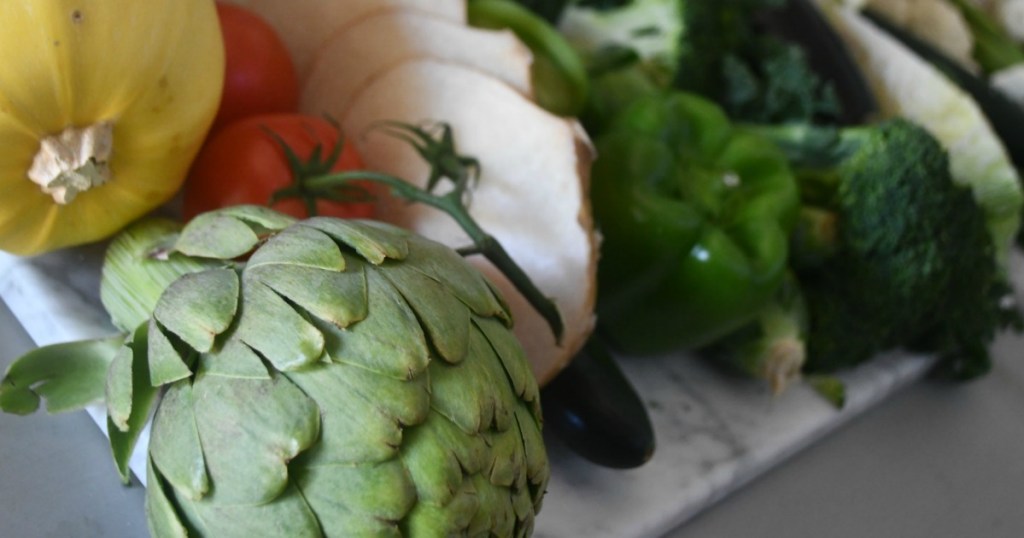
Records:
x=446, y=164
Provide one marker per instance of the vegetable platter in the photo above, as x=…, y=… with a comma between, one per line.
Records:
x=729, y=432
x=704, y=234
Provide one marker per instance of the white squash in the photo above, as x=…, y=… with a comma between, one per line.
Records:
x=368, y=46
x=532, y=194
x=305, y=25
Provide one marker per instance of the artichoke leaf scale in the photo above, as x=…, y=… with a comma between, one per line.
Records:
x=364, y=499
x=217, y=236
x=460, y=517
x=463, y=280
x=301, y=246
x=338, y=298
x=233, y=359
x=272, y=328
x=439, y=456
x=474, y=394
x=249, y=430
x=165, y=362
x=355, y=427
x=130, y=398
x=389, y=340
x=199, y=306
x=444, y=318
x=176, y=449
x=288, y=515
x=373, y=242
x=506, y=346
x=162, y=516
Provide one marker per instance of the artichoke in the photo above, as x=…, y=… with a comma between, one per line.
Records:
x=323, y=377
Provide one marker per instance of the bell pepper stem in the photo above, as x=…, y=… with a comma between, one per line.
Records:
x=483, y=243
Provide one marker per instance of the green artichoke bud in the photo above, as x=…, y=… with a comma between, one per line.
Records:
x=319, y=378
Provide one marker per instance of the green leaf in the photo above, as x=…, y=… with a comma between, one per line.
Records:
x=538, y=468
x=289, y=515
x=262, y=219
x=199, y=306
x=161, y=516
x=270, y=326
x=138, y=267
x=389, y=341
x=438, y=456
x=174, y=443
x=218, y=236
x=299, y=246
x=508, y=348
x=502, y=519
x=364, y=412
x=338, y=298
x=67, y=376
x=249, y=430
x=130, y=397
x=457, y=518
x=374, y=241
x=444, y=318
x=463, y=280
x=233, y=359
x=474, y=394
x=165, y=363
x=119, y=386
x=359, y=500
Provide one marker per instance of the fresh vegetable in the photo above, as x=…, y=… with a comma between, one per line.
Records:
x=260, y=77
x=101, y=118
x=993, y=48
x=772, y=347
x=939, y=22
x=1004, y=114
x=436, y=428
x=907, y=86
x=695, y=216
x=593, y=408
x=306, y=25
x=559, y=77
x=531, y=194
x=912, y=264
x=761, y=60
x=266, y=160
x=367, y=48
x=390, y=395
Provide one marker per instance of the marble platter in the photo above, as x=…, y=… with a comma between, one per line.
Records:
x=715, y=433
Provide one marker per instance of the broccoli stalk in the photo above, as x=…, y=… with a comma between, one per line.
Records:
x=907, y=260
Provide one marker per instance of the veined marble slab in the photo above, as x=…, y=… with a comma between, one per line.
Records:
x=714, y=432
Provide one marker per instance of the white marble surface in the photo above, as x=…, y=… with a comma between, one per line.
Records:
x=715, y=433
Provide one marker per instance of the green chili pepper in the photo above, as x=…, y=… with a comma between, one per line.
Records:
x=695, y=215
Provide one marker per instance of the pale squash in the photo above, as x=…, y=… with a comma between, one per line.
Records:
x=103, y=106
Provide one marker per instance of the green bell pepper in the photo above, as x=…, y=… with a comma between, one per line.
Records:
x=695, y=215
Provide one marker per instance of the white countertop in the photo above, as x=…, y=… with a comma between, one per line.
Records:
x=935, y=461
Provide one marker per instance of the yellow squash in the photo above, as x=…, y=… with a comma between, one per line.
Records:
x=103, y=105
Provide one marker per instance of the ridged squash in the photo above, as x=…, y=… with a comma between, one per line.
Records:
x=103, y=106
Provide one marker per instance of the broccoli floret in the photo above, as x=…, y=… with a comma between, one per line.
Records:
x=912, y=263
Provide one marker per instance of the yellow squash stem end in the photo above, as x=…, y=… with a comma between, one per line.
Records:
x=73, y=161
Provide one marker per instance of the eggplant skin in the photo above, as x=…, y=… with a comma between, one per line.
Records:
x=596, y=412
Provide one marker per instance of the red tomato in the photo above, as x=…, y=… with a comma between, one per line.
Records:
x=244, y=164
x=260, y=77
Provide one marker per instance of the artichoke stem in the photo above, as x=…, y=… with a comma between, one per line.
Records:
x=73, y=161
